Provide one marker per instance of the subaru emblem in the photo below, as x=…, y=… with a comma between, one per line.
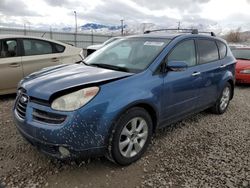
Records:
x=24, y=99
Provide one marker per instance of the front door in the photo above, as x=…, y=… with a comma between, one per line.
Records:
x=181, y=88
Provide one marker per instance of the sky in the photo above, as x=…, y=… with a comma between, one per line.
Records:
x=214, y=14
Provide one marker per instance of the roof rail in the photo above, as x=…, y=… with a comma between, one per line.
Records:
x=192, y=31
x=211, y=33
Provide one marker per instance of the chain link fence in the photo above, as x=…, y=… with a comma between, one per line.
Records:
x=81, y=40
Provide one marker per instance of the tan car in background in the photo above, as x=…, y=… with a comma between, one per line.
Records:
x=22, y=55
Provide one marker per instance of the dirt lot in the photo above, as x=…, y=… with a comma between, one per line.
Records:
x=205, y=150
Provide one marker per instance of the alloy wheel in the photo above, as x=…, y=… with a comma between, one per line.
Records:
x=225, y=98
x=133, y=137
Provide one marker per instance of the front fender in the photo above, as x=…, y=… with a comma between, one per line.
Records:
x=129, y=92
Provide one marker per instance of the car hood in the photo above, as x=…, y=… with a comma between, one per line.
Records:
x=49, y=81
x=95, y=47
x=242, y=64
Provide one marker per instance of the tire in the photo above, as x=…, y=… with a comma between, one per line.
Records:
x=223, y=101
x=130, y=137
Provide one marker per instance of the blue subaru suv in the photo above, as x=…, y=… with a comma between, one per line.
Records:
x=112, y=103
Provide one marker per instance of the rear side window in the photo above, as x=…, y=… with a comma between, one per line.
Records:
x=207, y=50
x=222, y=49
x=184, y=51
x=59, y=48
x=36, y=47
x=8, y=48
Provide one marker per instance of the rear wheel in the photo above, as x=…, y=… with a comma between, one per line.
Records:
x=131, y=136
x=222, y=103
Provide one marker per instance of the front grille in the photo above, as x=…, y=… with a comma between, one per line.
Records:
x=48, y=117
x=21, y=105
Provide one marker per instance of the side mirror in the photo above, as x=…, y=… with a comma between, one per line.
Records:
x=176, y=65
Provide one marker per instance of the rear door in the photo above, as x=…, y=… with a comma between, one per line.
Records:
x=10, y=65
x=181, y=88
x=38, y=54
x=212, y=70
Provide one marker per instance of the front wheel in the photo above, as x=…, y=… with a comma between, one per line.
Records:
x=222, y=103
x=131, y=136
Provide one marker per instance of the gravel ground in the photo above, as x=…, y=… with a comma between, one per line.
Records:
x=205, y=150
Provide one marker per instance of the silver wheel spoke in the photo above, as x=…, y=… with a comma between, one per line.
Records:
x=126, y=132
x=134, y=124
x=141, y=126
x=137, y=146
x=129, y=150
x=124, y=143
x=143, y=135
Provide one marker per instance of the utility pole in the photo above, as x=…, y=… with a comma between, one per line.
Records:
x=122, y=27
x=24, y=28
x=75, y=27
x=179, y=25
x=75, y=21
x=50, y=29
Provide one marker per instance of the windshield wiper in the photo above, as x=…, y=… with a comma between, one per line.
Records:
x=107, y=66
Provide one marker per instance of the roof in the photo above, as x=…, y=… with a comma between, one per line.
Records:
x=30, y=37
x=167, y=35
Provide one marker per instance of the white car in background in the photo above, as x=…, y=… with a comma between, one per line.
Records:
x=22, y=55
x=93, y=48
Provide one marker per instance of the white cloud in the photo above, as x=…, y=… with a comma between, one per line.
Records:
x=59, y=13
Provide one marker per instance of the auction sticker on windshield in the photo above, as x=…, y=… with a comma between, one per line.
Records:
x=153, y=43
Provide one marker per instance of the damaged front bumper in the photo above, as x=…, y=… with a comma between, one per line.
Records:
x=62, y=135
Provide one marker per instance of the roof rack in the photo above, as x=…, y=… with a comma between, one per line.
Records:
x=207, y=32
x=192, y=31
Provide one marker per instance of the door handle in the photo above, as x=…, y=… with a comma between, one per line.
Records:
x=196, y=73
x=14, y=65
x=54, y=59
x=223, y=66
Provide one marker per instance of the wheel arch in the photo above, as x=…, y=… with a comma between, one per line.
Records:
x=231, y=82
x=151, y=109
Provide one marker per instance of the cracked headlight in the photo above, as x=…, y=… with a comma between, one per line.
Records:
x=75, y=100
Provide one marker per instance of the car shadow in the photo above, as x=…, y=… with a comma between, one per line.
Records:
x=242, y=85
x=7, y=97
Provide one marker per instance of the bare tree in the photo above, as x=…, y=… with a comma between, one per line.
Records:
x=234, y=36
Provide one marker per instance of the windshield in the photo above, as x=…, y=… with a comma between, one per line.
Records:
x=130, y=55
x=241, y=53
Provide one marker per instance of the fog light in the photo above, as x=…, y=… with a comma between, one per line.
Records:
x=64, y=152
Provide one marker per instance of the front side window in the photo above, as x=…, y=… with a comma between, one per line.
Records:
x=132, y=54
x=207, y=50
x=184, y=51
x=8, y=48
x=36, y=47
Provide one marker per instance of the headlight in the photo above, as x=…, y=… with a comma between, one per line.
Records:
x=74, y=100
x=246, y=71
